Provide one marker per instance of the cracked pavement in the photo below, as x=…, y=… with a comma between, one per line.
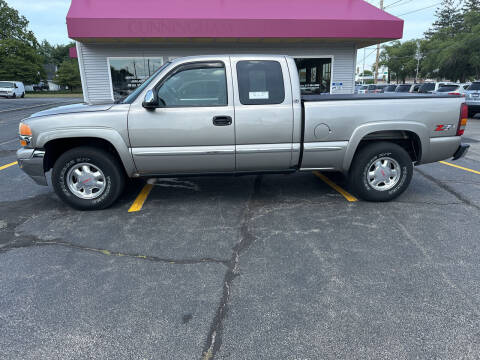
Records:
x=257, y=267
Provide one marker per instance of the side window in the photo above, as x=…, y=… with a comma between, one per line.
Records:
x=195, y=85
x=260, y=82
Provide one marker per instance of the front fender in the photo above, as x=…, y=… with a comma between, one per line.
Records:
x=104, y=133
x=360, y=132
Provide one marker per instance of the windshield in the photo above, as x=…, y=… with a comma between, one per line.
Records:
x=427, y=87
x=447, y=88
x=391, y=88
x=133, y=96
x=475, y=86
x=403, y=88
x=4, y=84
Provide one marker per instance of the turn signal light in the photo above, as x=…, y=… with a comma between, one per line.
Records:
x=24, y=130
x=462, y=123
x=25, y=134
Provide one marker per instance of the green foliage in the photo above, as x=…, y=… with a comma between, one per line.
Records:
x=55, y=54
x=400, y=58
x=14, y=26
x=20, y=61
x=19, y=56
x=450, y=50
x=68, y=74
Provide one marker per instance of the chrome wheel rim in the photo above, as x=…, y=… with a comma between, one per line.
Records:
x=86, y=181
x=384, y=174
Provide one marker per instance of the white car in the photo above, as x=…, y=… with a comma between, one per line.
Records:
x=473, y=99
x=12, y=89
x=431, y=87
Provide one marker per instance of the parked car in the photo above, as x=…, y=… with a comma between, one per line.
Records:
x=357, y=88
x=403, y=88
x=450, y=89
x=12, y=89
x=379, y=89
x=367, y=89
x=430, y=87
x=237, y=124
x=472, y=98
x=41, y=86
x=390, y=88
x=415, y=88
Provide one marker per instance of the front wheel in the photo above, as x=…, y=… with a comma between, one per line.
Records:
x=381, y=172
x=23, y=95
x=88, y=178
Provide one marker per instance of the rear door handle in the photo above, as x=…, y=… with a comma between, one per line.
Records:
x=222, y=120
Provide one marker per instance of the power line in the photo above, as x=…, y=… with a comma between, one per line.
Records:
x=414, y=11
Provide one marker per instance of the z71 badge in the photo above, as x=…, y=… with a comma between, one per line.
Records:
x=444, y=127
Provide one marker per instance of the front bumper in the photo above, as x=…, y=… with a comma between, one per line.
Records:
x=31, y=162
x=461, y=152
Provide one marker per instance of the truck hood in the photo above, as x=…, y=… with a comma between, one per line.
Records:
x=75, y=108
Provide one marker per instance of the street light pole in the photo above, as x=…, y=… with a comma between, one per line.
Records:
x=378, y=52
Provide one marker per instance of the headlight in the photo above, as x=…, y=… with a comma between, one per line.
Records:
x=25, y=134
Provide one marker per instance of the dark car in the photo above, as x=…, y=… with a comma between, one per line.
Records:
x=403, y=88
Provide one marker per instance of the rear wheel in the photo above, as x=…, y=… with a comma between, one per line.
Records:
x=88, y=178
x=381, y=172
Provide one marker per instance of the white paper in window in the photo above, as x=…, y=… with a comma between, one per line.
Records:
x=259, y=95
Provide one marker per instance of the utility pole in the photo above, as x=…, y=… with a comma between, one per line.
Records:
x=378, y=52
x=363, y=71
x=418, y=61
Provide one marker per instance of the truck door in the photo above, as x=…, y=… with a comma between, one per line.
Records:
x=194, y=130
x=263, y=113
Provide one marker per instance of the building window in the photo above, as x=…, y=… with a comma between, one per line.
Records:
x=130, y=73
x=315, y=75
x=195, y=85
x=260, y=82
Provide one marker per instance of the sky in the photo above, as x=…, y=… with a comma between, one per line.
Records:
x=47, y=19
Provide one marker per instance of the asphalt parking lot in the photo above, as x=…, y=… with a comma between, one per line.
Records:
x=257, y=267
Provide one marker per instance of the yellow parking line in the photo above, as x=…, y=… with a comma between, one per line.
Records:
x=460, y=167
x=141, y=198
x=3, y=167
x=334, y=186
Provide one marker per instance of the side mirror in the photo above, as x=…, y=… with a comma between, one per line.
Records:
x=150, y=101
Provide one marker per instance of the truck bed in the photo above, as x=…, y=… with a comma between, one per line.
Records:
x=333, y=97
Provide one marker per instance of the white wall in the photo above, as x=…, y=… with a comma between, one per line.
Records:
x=96, y=73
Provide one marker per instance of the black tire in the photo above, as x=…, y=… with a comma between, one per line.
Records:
x=106, y=162
x=14, y=96
x=364, y=162
x=23, y=95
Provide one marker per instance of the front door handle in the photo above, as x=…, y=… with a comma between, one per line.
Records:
x=222, y=120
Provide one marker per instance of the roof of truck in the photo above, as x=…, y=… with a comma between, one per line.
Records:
x=325, y=19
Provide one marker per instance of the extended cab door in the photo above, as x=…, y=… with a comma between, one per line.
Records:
x=194, y=131
x=263, y=113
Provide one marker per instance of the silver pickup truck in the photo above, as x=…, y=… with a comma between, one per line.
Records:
x=237, y=115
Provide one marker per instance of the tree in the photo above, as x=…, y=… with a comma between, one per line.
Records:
x=448, y=19
x=14, y=26
x=19, y=61
x=400, y=58
x=19, y=57
x=68, y=74
x=471, y=5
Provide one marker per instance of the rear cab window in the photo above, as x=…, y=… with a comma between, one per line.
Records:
x=260, y=82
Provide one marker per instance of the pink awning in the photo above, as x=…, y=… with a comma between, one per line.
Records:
x=324, y=19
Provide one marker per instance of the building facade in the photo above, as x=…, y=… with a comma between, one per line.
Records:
x=120, y=43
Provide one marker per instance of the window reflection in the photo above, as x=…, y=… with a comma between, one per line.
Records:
x=315, y=75
x=130, y=73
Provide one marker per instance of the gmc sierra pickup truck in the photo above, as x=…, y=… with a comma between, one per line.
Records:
x=237, y=115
